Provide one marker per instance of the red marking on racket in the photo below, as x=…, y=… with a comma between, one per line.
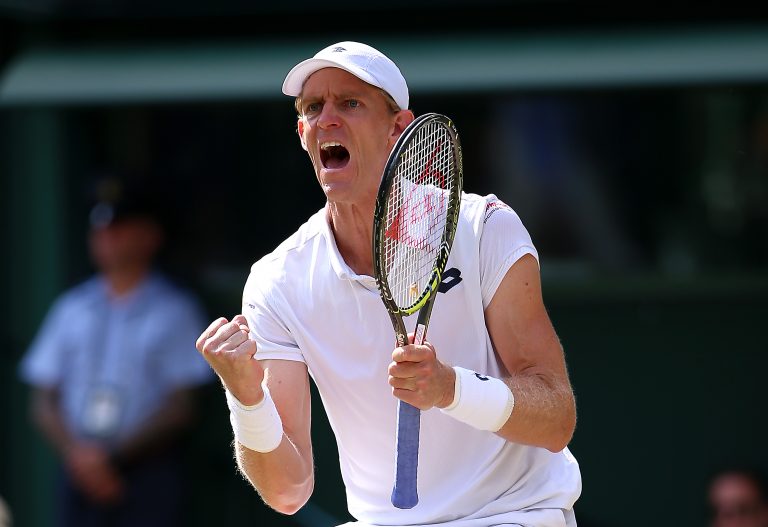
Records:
x=397, y=229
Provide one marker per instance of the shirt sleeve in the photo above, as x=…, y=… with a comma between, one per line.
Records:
x=42, y=365
x=504, y=240
x=273, y=337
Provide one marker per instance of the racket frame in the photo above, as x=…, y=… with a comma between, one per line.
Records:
x=404, y=492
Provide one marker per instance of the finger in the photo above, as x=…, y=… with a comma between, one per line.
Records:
x=235, y=340
x=232, y=359
x=209, y=332
x=403, y=354
x=246, y=349
x=403, y=370
x=226, y=338
x=411, y=353
x=240, y=320
x=411, y=397
x=402, y=383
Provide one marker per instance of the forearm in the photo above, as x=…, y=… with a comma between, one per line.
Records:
x=270, y=412
x=273, y=445
x=284, y=477
x=47, y=417
x=533, y=360
x=544, y=413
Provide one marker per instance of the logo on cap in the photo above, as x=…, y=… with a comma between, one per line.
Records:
x=338, y=49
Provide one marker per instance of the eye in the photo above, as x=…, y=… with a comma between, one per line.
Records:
x=353, y=103
x=312, y=107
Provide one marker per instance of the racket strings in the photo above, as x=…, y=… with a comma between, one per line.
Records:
x=417, y=213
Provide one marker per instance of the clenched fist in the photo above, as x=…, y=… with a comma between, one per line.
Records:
x=229, y=350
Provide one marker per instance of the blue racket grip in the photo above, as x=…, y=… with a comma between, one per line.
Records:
x=404, y=494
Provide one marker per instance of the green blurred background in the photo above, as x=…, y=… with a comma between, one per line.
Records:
x=634, y=146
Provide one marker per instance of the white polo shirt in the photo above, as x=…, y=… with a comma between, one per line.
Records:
x=303, y=303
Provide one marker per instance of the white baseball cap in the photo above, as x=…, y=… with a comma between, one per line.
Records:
x=362, y=61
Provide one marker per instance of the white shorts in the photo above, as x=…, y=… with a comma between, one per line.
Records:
x=529, y=518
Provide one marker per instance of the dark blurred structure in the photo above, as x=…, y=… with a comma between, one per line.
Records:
x=633, y=143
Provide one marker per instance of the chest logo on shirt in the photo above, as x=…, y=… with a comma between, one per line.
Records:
x=451, y=278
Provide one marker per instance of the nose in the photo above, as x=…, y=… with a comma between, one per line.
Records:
x=329, y=116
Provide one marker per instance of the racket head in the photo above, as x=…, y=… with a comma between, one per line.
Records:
x=417, y=211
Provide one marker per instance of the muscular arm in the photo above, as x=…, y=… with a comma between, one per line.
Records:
x=527, y=345
x=284, y=478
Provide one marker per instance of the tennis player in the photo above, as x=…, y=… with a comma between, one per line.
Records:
x=498, y=408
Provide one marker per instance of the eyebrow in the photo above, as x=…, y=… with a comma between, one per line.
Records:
x=302, y=101
x=343, y=96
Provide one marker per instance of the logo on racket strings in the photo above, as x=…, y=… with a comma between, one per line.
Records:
x=421, y=214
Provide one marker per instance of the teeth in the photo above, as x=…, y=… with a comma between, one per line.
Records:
x=328, y=144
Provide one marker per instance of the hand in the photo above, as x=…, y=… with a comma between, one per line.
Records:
x=418, y=378
x=229, y=351
x=93, y=474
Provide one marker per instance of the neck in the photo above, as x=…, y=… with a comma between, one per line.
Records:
x=122, y=281
x=352, y=227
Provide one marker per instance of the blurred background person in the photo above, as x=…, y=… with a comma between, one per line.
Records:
x=738, y=498
x=114, y=372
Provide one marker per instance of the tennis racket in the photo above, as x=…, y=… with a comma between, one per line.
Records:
x=417, y=209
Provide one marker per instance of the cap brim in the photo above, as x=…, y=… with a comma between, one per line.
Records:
x=294, y=81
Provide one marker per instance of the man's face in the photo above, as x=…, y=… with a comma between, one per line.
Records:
x=348, y=129
x=127, y=243
x=736, y=502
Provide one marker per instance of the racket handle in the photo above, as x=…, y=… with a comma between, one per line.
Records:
x=404, y=494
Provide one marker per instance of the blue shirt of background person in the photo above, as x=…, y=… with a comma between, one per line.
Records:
x=113, y=370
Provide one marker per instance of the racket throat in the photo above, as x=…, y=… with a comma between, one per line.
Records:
x=420, y=334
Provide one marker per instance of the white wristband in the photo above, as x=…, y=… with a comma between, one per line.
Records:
x=258, y=426
x=480, y=401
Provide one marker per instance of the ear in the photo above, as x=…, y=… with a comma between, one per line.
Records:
x=402, y=119
x=300, y=131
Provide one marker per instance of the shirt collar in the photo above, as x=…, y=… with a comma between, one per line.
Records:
x=133, y=299
x=339, y=266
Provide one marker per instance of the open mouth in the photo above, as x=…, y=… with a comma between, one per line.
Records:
x=333, y=155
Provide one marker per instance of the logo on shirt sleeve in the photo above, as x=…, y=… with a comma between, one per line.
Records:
x=494, y=205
